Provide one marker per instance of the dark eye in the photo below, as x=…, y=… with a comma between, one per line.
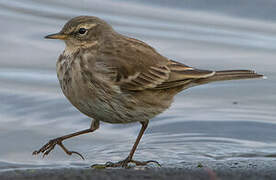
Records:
x=82, y=30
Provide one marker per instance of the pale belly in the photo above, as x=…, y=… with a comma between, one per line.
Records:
x=106, y=103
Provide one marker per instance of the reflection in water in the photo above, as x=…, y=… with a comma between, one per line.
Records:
x=215, y=121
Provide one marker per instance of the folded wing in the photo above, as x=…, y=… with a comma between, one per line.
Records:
x=170, y=75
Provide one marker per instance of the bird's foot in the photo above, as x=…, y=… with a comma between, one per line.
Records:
x=47, y=148
x=124, y=163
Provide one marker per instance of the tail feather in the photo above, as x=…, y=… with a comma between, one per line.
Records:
x=230, y=75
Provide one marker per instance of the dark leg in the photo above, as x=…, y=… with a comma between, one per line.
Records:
x=142, y=130
x=47, y=148
x=124, y=163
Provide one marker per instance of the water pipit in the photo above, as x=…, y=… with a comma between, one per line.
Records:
x=117, y=79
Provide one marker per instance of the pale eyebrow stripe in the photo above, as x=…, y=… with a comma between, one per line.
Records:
x=87, y=26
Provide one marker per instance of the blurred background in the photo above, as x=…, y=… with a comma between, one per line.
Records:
x=219, y=121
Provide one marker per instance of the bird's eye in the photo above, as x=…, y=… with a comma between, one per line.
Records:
x=82, y=30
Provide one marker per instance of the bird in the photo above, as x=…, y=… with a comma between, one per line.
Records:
x=117, y=79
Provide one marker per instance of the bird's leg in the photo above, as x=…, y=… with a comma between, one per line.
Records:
x=124, y=163
x=47, y=148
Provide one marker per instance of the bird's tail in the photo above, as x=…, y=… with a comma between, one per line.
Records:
x=230, y=75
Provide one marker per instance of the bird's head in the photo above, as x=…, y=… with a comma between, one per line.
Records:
x=83, y=31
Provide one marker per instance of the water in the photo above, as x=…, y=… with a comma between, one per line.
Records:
x=218, y=121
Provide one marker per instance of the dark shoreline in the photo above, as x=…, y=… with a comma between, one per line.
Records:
x=249, y=169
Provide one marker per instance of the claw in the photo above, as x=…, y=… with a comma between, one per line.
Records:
x=47, y=148
x=124, y=164
x=35, y=153
x=74, y=152
x=143, y=163
x=69, y=152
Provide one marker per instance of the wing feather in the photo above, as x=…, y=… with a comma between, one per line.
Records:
x=137, y=66
x=146, y=80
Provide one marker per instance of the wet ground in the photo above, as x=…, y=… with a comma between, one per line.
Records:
x=208, y=170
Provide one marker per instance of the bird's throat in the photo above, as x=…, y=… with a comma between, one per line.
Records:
x=70, y=50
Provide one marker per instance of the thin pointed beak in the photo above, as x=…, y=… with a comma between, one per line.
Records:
x=57, y=36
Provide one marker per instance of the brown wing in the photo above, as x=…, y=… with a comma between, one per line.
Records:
x=137, y=66
x=133, y=77
x=149, y=79
x=167, y=76
x=181, y=75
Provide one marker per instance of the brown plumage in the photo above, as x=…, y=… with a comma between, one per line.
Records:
x=117, y=79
